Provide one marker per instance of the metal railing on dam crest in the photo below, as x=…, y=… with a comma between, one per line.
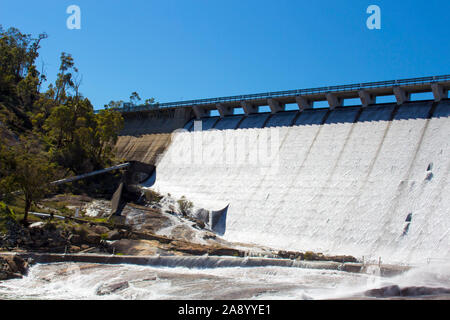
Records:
x=305, y=98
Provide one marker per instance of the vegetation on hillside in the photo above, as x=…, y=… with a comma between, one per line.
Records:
x=46, y=134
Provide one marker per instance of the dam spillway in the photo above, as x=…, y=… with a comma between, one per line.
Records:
x=342, y=187
x=365, y=181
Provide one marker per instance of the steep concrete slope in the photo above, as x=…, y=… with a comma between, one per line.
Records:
x=367, y=182
x=145, y=148
x=146, y=136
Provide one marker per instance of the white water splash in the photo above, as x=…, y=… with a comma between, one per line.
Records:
x=84, y=281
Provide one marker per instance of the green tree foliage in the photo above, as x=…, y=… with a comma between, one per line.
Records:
x=109, y=123
x=65, y=78
x=134, y=98
x=77, y=138
x=81, y=140
x=6, y=161
x=59, y=126
x=26, y=169
x=6, y=216
x=19, y=78
x=114, y=104
x=150, y=101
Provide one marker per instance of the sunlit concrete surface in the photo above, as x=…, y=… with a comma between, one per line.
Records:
x=345, y=186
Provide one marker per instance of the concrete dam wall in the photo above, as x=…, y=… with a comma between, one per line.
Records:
x=369, y=182
x=145, y=136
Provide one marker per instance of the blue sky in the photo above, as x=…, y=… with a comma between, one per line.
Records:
x=179, y=50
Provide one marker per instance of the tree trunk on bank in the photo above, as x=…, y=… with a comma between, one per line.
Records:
x=27, y=209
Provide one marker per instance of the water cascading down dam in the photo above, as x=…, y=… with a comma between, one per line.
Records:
x=369, y=180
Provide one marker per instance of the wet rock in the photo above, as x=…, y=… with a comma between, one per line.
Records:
x=226, y=252
x=209, y=235
x=23, y=239
x=153, y=278
x=396, y=291
x=311, y=256
x=351, y=268
x=39, y=243
x=199, y=224
x=341, y=259
x=75, y=239
x=36, y=225
x=100, y=229
x=290, y=255
x=5, y=275
x=182, y=233
x=135, y=247
x=172, y=209
x=385, y=292
x=125, y=233
x=118, y=220
x=423, y=291
x=202, y=215
x=12, y=266
x=74, y=249
x=114, y=235
x=93, y=238
x=106, y=289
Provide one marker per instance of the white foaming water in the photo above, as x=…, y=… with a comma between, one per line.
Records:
x=374, y=188
x=75, y=281
x=88, y=281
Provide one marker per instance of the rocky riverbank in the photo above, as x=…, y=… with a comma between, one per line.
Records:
x=12, y=266
x=58, y=237
x=162, y=228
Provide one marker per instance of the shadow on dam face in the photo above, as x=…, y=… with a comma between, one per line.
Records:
x=281, y=119
x=317, y=116
x=151, y=180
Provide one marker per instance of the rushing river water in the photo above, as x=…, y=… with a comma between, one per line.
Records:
x=98, y=281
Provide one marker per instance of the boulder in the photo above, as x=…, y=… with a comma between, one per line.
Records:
x=93, y=238
x=136, y=247
x=12, y=266
x=209, y=235
x=37, y=225
x=114, y=235
x=396, y=291
x=226, y=252
x=75, y=239
x=74, y=249
x=341, y=259
x=385, y=292
x=85, y=238
x=111, y=288
x=202, y=215
x=423, y=291
x=100, y=229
